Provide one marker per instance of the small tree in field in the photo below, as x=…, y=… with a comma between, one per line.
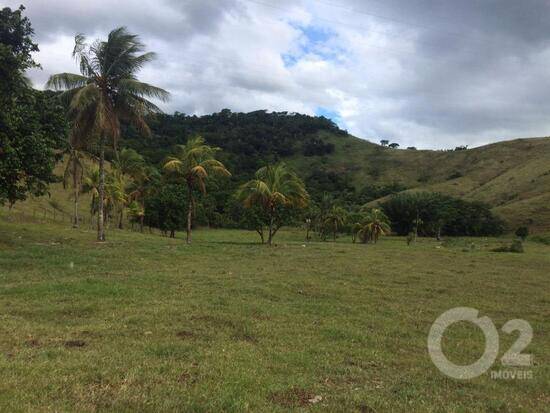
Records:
x=373, y=225
x=334, y=221
x=193, y=163
x=275, y=189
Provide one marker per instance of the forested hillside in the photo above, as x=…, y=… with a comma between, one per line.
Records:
x=512, y=177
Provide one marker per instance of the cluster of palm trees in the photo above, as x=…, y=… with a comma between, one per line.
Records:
x=328, y=219
x=106, y=93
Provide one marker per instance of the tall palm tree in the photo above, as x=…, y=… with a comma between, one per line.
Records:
x=334, y=220
x=374, y=224
x=193, y=163
x=107, y=92
x=274, y=187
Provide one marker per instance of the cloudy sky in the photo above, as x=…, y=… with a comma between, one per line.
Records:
x=428, y=73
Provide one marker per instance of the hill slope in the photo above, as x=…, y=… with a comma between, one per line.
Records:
x=513, y=177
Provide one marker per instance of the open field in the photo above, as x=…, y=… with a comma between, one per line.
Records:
x=146, y=323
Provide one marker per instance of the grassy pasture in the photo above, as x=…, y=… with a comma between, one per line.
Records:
x=146, y=323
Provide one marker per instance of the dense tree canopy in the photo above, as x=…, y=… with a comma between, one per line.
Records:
x=32, y=124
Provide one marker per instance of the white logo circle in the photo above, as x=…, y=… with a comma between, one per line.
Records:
x=436, y=335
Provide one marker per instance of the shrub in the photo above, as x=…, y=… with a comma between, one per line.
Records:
x=516, y=247
x=522, y=232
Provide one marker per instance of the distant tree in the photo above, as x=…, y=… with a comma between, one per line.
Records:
x=372, y=226
x=436, y=214
x=334, y=220
x=411, y=148
x=384, y=142
x=192, y=164
x=163, y=208
x=522, y=232
x=32, y=125
x=274, y=189
x=461, y=148
x=74, y=172
x=106, y=92
x=393, y=145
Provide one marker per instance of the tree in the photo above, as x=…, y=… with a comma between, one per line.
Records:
x=522, y=232
x=128, y=167
x=141, y=186
x=193, y=163
x=374, y=225
x=393, y=145
x=106, y=93
x=334, y=220
x=274, y=189
x=384, y=142
x=74, y=169
x=32, y=126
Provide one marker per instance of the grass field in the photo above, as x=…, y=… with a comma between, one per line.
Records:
x=146, y=323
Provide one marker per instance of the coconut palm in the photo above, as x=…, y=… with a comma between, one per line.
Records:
x=90, y=184
x=128, y=167
x=193, y=163
x=138, y=189
x=334, y=220
x=374, y=224
x=274, y=187
x=107, y=92
x=74, y=169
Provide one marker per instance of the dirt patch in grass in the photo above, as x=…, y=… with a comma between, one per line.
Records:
x=75, y=343
x=184, y=335
x=33, y=342
x=293, y=397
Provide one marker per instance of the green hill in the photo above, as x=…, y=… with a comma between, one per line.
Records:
x=513, y=177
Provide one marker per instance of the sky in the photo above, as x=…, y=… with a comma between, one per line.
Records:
x=432, y=74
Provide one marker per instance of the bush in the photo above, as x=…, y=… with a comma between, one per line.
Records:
x=522, y=232
x=440, y=214
x=516, y=247
x=541, y=239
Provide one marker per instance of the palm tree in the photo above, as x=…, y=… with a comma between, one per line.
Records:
x=193, y=163
x=90, y=184
x=374, y=224
x=274, y=187
x=138, y=189
x=75, y=170
x=128, y=168
x=334, y=220
x=106, y=93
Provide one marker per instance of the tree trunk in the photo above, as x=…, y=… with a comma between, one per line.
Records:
x=141, y=217
x=76, y=192
x=271, y=218
x=189, y=215
x=101, y=212
x=120, y=218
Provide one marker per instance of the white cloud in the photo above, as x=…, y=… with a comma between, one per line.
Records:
x=421, y=73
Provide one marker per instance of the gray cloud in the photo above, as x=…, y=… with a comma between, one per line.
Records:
x=422, y=72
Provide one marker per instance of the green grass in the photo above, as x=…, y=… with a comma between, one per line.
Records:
x=146, y=323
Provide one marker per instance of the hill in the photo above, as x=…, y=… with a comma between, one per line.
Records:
x=513, y=177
